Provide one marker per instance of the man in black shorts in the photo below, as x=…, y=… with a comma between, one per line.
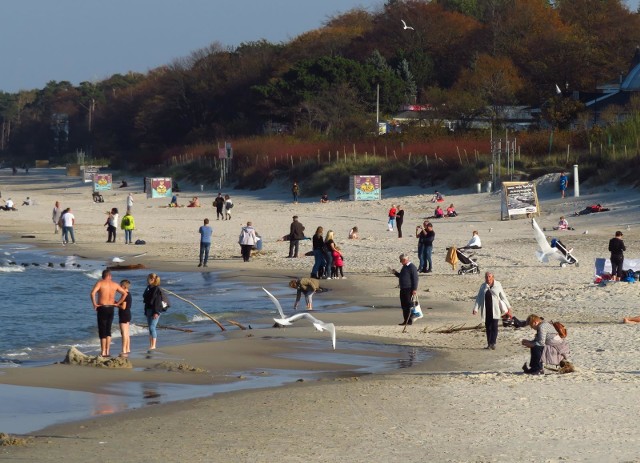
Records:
x=104, y=305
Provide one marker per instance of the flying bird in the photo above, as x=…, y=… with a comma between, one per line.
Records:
x=558, y=91
x=546, y=252
x=404, y=24
x=318, y=324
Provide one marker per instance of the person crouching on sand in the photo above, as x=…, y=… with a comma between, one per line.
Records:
x=306, y=286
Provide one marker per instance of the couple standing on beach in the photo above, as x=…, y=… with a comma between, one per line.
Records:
x=104, y=305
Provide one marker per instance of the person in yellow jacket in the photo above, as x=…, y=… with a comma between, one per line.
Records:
x=128, y=225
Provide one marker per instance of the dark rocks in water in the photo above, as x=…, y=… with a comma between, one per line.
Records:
x=12, y=263
x=50, y=264
x=24, y=264
x=35, y=264
x=62, y=264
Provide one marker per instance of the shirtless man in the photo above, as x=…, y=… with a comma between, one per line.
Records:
x=104, y=305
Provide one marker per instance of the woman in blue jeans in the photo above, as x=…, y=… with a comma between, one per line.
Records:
x=318, y=254
x=425, y=235
x=152, y=298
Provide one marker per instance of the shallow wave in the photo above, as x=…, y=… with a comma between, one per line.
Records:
x=12, y=268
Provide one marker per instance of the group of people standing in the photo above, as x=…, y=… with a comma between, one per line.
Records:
x=223, y=205
x=396, y=218
x=328, y=260
x=64, y=220
x=103, y=298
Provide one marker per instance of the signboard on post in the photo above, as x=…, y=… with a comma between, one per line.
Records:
x=88, y=172
x=160, y=188
x=102, y=182
x=365, y=187
x=519, y=198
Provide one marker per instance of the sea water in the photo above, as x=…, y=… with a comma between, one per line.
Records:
x=47, y=308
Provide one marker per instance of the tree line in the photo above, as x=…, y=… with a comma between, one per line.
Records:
x=462, y=57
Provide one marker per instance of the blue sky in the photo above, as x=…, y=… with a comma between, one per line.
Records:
x=88, y=40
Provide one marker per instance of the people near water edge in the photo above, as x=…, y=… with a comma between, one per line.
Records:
x=124, y=319
x=152, y=298
x=205, y=243
x=130, y=202
x=112, y=224
x=103, y=299
x=318, y=253
x=392, y=217
x=426, y=236
x=408, y=282
x=128, y=224
x=218, y=203
x=338, y=264
x=329, y=247
x=295, y=190
x=68, y=220
x=55, y=216
x=617, y=248
x=492, y=303
x=547, y=346
x=248, y=239
x=296, y=233
x=306, y=286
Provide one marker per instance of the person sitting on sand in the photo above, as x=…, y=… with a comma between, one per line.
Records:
x=27, y=202
x=174, y=201
x=562, y=224
x=451, y=211
x=8, y=205
x=306, y=286
x=195, y=202
x=438, y=213
x=547, y=347
x=324, y=198
x=437, y=197
x=474, y=242
x=123, y=184
x=353, y=233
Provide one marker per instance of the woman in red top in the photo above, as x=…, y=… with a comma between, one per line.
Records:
x=392, y=217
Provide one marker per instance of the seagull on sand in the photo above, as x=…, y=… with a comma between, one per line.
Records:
x=318, y=324
x=404, y=24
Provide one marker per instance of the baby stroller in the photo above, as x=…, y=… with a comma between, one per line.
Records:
x=556, y=243
x=469, y=262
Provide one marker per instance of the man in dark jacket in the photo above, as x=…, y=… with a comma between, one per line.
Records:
x=296, y=233
x=219, y=204
x=408, y=278
x=617, y=248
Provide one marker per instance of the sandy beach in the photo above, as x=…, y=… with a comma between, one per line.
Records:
x=465, y=404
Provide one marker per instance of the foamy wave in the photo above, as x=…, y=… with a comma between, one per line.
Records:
x=95, y=274
x=12, y=268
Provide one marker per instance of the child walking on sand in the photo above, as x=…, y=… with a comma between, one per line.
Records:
x=338, y=263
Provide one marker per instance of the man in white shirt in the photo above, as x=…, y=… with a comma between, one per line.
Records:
x=68, y=221
x=9, y=205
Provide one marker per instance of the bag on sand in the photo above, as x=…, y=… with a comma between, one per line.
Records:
x=416, y=310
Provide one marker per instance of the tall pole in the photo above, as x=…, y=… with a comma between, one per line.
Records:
x=377, y=105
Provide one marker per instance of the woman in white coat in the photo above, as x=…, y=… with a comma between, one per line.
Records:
x=493, y=303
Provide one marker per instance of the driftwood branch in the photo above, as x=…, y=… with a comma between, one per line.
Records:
x=186, y=330
x=239, y=325
x=202, y=311
x=456, y=328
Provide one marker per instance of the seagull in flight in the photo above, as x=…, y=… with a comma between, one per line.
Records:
x=318, y=324
x=404, y=24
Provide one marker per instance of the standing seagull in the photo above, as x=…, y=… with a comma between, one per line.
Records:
x=405, y=25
